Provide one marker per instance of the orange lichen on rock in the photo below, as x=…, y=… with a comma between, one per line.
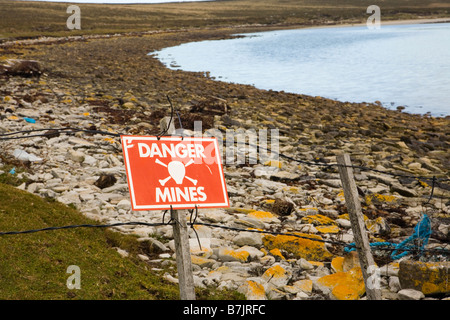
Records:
x=318, y=220
x=344, y=285
x=337, y=264
x=299, y=247
x=305, y=285
x=277, y=253
x=262, y=215
x=328, y=229
x=252, y=290
x=274, y=272
x=233, y=255
x=428, y=277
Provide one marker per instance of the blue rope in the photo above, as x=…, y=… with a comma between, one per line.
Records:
x=420, y=237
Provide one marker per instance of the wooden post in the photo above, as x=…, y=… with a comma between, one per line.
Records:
x=357, y=221
x=181, y=237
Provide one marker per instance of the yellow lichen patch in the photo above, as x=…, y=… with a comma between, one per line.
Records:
x=268, y=201
x=337, y=264
x=304, y=285
x=86, y=114
x=344, y=285
x=306, y=209
x=223, y=269
x=202, y=262
x=318, y=220
x=261, y=215
x=274, y=272
x=428, y=277
x=244, y=210
x=347, y=217
x=273, y=163
x=344, y=292
x=237, y=255
x=292, y=189
x=277, y=253
x=327, y=229
x=424, y=184
x=110, y=140
x=299, y=247
x=252, y=290
x=379, y=198
x=375, y=225
x=13, y=118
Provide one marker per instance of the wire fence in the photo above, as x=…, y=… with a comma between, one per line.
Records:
x=51, y=132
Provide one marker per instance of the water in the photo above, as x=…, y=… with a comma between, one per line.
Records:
x=398, y=65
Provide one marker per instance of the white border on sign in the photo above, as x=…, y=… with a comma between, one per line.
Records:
x=127, y=142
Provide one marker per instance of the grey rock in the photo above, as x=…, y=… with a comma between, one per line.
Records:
x=410, y=294
x=248, y=238
x=406, y=192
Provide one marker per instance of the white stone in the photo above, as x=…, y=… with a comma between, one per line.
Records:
x=344, y=223
x=394, y=284
x=254, y=252
x=248, y=238
x=124, y=204
x=76, y=156
x=122, y=252
x=410, y=294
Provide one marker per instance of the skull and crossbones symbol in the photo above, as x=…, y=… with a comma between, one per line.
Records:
x=177, y=171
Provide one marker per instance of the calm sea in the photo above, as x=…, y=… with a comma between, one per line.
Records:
x=398, y=65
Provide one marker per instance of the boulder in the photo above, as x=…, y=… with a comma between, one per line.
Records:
x=23, y=68
x=105, y=181
x=277, y=275
x=252, y=290
x=282, y=207
x=342, y=285
x=248, y=238
x=299, y=247
x=427, y=277
x=228, y=254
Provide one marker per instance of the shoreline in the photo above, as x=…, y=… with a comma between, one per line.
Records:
x=387, y=23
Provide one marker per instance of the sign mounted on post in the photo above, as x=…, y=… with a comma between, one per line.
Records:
x=176, y=172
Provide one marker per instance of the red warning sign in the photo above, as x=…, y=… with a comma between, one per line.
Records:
x=174, y=172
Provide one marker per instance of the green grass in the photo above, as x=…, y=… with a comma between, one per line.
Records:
x=34, y=266
x=20, y=19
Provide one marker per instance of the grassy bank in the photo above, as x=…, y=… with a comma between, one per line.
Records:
x=33, y=266
x=20, y=19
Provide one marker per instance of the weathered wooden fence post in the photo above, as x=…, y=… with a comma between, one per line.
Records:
x=181, y=237
x=358, y=227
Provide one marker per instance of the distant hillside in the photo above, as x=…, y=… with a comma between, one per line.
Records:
x=31, y=19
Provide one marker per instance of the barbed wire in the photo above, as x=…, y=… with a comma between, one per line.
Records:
x=194, y=223
x=70, y=130
x=132, y=223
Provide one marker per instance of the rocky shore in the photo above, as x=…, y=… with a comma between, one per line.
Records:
x=110, y=84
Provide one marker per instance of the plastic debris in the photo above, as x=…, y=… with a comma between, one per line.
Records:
x=22, y=155
x=30, y=120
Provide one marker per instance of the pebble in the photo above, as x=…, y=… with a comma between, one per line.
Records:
x=410, y=294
